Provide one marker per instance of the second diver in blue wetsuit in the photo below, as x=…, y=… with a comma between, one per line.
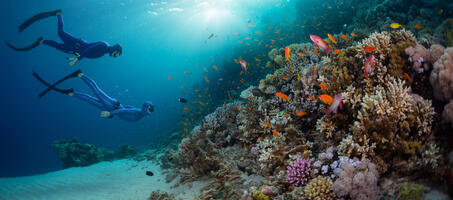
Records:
x=109, y=106
x=71, y=45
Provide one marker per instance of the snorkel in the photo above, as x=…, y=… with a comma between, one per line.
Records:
x=147, y=108
x=115, y=50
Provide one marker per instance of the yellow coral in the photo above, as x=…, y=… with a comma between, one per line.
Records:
x=258, y=195
x=319, y=188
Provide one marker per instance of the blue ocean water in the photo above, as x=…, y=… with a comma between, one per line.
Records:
x=159, y=39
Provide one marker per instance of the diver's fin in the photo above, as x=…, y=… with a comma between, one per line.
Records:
x=52, y=87
x=36, y=18
x=32, y=46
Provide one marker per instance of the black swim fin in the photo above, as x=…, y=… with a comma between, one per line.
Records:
x=52, y=87
x=32, y=46
x=36, y=18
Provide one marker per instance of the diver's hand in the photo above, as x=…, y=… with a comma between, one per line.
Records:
x=105, y=114
x=74, y=62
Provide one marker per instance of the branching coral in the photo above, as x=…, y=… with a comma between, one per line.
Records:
x=319, y=188
x=298, y=172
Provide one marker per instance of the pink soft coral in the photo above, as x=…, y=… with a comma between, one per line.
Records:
x=422, y=58
x=298, y=172
x=359, y=182
x=442, y=76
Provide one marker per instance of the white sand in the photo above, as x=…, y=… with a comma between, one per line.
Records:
x=117, y=180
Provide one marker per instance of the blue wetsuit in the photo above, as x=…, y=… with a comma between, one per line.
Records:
x=106, y=103
x=73, y=45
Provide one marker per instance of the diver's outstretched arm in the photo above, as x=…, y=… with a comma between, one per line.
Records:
x=133, y=114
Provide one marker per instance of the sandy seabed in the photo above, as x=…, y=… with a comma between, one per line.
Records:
x=117, y=180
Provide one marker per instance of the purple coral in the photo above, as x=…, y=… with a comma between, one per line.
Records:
x=422, y=57
x=298, y=172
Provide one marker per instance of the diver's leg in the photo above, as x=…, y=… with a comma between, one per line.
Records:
x=54, y=44
x=64, y=36
x=91, y=100
x=101, y=95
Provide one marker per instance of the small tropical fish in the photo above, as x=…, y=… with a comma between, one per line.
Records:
x=243, y=65
x=354, y=35
x=275, y=133
x=301, y=54
x=323, y=86
x=257, y=59
x=240, y=42
x=325, y=99
x=337, y=51
x=331, y=38
x=408, y=77
x=292, y=69
x=186, y=72
x=284, y=78
x=369, y=49
x=267, y=124
x=417, y=26
x=260, y=138
x=277, y=31
x=182, y=100
x=330, y=46
x=368, y=65
x=301, y=113
x=298, y=77
x=287, y=114
x=261, y=83
x=287, y=54
x=320, y=43
x=324, y=68
x=252, y=25
x=336, y=102
x=170, y=77
x=206, y=79
x=236, y=61
x=245, y=147
x=220, y=79
x=327, y=41
x=206, y=70
x=215, y=67
x=282, y=96
x=344, y=37
x=183, y=86
x=440, y=11
x=316, y=51
x=311, y=97
x=395, y=25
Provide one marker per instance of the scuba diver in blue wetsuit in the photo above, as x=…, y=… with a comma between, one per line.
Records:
x=109, y=106
x=71, y=45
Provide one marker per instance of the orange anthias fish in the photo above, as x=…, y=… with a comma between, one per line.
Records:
x=260, y=138
x=236, y=61
x=344, y=37
x=287, y=54
x=284, y=78
x=261, y=83
x=331, y=38
x=215, y=67
x=326, y=99
x=275, y=133
x=323, y=86
x=267, y=124
x=170, y=77
x=354, y=35
x=311, y=97
x=282, y=96
x=408, y=77
x=206, y=79
x=301, y=113
x=338, y=52
x=417, y=26
x=320, y=43
x=252, y=25
x=316, y=51
x=369, y=49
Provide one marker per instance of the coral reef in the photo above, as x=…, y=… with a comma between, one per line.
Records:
x=74, y=154
x=442, y=76
x=410, y=191
x=319, y=188
x=298, y=172
x=161, y=195
x=356, y=179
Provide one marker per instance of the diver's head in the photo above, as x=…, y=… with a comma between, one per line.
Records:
x=116, y=50
x=148, y=107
